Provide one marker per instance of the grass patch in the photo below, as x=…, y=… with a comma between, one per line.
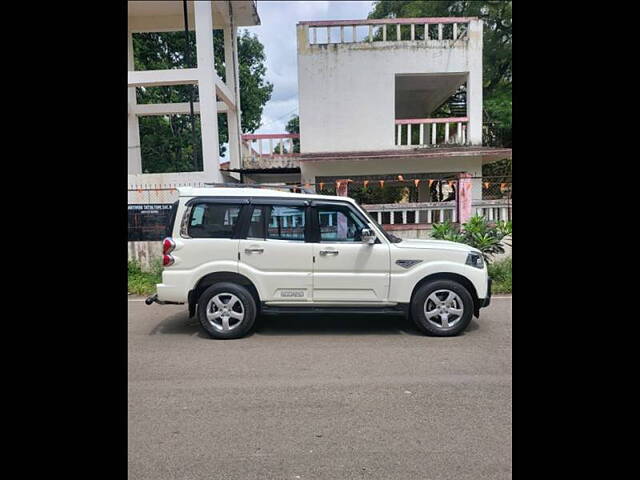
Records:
x=143, y=283
x=500, y=273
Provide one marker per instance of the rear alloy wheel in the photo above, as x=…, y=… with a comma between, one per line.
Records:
x=442, y=308
x=226, y=310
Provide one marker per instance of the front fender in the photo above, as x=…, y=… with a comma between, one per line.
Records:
x=402, y=283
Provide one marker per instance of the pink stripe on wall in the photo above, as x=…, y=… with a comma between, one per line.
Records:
x=258, y=136
x=392, y=21
x=405, y=121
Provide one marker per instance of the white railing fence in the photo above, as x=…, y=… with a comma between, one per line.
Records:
x=268, y=145
x=413, y=213
x=493, y=210
x=431, y=131
x=436, y=212
x=442, y=29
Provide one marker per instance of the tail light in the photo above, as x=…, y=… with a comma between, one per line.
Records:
x=167, y=260
x=168, y=245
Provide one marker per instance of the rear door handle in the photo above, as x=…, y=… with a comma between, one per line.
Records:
x=253, y=250
x=329, y=252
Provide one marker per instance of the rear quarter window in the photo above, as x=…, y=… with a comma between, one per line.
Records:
x=213, y=220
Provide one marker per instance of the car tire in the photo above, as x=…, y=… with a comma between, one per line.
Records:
x=442, y=308
x=226, y=311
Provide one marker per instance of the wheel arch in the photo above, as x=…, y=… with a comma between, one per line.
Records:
x=216, y=277
x=456, y=277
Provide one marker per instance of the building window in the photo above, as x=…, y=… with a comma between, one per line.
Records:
x=210, y=220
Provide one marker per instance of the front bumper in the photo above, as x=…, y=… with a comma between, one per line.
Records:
x=486, y=301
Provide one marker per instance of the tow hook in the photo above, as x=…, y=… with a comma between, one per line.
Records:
x=151, y=299
x=154, y=299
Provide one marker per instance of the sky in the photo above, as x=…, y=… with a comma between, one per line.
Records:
x=277, y=33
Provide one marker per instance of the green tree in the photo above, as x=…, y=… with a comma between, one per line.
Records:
x=293, y=126
x=496, y=16
x=167, y=142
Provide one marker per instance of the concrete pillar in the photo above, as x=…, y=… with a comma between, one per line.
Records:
x=134, y=157
x=207, y=90
x=423, y=191
x=474, y=84
x=464, y=197
x=232, y=80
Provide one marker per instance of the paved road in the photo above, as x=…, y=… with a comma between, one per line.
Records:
x=319, y=398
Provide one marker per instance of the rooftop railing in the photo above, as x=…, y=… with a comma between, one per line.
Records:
x=441, y=29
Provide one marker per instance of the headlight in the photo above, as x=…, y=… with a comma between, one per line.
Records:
x=475, y=260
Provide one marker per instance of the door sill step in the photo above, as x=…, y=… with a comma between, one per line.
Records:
x=399, y=309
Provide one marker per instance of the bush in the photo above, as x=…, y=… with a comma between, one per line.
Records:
x=500, y=273
x=141, y=282
x=478, y=233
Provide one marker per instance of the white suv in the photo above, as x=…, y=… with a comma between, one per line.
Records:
x=235, y=253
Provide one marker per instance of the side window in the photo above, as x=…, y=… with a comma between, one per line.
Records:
x=256, y=224
x=286, y=223
x=213, y=220
x=339, y=224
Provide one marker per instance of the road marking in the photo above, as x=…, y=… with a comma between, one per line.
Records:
x=502, y=297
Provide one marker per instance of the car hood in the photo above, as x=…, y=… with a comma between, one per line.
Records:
x=435, y=245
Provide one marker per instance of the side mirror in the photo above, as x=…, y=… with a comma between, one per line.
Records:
x=368, y=236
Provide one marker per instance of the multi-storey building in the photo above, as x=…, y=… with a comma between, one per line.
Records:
x=369, y=98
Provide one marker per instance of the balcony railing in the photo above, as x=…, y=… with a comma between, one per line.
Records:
x=269, y=150
x=431, y=131
x=255, y=143
x=442, y=29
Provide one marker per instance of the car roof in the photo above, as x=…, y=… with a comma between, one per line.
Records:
x=253, y=192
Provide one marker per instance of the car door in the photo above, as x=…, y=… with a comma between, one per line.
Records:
x=275, y=254
x=347, y=270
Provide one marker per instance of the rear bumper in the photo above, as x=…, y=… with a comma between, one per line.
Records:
x=154, y=299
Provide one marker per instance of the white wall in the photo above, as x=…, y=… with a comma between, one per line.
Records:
x=347, y=90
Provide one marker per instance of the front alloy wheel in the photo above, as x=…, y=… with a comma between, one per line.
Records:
x=442, y=308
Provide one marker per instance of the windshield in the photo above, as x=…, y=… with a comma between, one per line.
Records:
x=389, y=236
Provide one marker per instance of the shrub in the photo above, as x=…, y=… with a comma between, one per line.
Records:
x=500, y=273
x=478, y=233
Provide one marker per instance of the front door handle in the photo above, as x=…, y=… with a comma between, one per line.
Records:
x=329, y=252
x=253, y=250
